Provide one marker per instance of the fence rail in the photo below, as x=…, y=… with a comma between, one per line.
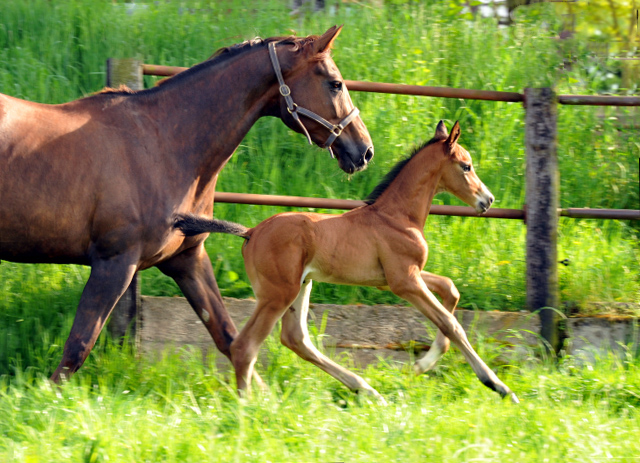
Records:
x=441, y=92
x=436, y=209
x=540, y=214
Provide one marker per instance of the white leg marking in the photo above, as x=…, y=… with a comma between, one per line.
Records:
x=295, y=335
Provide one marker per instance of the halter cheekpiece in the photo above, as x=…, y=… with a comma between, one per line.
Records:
x=295, y=110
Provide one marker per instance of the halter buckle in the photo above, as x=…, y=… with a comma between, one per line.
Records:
x=285, y=90
x=337, y=130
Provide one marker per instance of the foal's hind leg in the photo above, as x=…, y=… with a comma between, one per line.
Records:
x=245, y=347
x=295, y=335
x=193, y=273
x=108, y=281
x=415, y=290
x=444, y=288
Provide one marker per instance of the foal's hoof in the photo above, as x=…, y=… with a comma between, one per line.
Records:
x=375, y=394
x=514, y=398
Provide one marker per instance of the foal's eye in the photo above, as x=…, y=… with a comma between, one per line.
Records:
x=466, y=168
x=335, y=85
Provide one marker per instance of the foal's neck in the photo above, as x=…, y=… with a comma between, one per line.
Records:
x=410, y=195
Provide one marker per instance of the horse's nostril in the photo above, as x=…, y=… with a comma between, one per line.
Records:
x=368, y=155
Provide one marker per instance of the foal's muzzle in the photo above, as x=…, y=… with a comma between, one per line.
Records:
x=484, y=200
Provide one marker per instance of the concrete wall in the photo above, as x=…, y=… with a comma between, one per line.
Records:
x=369, y=332
x=366, y=332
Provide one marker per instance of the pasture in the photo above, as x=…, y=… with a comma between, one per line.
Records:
x=121, y=407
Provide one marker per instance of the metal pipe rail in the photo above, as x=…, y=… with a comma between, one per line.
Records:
x=442, y=92
x=436, y=209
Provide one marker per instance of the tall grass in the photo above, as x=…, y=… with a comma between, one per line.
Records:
x=54, y=52
x=180, y=409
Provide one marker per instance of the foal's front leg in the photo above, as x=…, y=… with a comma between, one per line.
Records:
x=413, y=289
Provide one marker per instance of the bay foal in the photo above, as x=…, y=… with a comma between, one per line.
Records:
x=380, y=244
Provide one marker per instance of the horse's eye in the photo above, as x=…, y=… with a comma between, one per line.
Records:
x=336, y=85
x=466, y=168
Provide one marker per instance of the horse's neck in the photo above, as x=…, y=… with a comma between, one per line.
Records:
x=410, y=195
x=210, y=111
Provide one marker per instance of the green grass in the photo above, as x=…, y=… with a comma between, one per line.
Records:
x=177, y=408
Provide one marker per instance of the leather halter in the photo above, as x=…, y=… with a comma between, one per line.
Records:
x=295, y=110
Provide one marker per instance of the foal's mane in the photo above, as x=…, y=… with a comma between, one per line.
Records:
x=395, y=171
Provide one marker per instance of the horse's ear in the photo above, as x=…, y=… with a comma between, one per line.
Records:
x=325, y=41
x=441, y=131
x=454, y=135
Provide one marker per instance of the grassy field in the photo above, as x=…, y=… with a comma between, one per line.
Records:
x=121, y=407
x=125, y=409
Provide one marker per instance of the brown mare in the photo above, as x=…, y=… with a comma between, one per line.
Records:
x=380, y=244
x=99, y=180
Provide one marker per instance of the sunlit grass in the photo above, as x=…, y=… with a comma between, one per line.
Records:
x=177, y=408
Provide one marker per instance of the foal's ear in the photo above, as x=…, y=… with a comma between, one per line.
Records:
x=441, y=131
x=325, y=41
x=453, y=136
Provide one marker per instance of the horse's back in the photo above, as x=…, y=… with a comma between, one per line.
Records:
x=51, y=168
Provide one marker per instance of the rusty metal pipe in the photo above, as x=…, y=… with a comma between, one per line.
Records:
x=458, y=211
x=443, y=92
x=599, y=100
x=585, y=213
x=347, y=204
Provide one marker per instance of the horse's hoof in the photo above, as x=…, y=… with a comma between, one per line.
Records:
x=514, y=398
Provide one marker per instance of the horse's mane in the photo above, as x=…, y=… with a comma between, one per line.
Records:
x=395, y=171
x=220, y=56
x=226, y=53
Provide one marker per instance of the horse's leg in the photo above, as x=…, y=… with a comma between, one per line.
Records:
x=193, y=273
x=444, y=288
x=415, y=290
x=270, y=305
x=109, y=279
x=295, y=335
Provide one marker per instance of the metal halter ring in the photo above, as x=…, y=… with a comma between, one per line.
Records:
x=285, y=90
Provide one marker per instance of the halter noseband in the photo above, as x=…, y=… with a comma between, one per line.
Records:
x=294, y=109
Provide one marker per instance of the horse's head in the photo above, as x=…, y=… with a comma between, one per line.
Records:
x=458, y=176
x=316, y=102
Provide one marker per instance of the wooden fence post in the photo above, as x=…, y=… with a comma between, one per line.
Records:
x=542, y=200
x=126, y=314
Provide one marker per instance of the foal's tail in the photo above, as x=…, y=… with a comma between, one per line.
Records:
x=192, y=225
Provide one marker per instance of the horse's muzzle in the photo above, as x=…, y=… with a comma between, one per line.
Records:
x=351, y=165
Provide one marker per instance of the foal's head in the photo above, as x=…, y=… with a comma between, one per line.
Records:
x=317, y=85
x=457, y=173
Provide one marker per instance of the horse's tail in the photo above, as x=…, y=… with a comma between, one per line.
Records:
x=191, y=225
